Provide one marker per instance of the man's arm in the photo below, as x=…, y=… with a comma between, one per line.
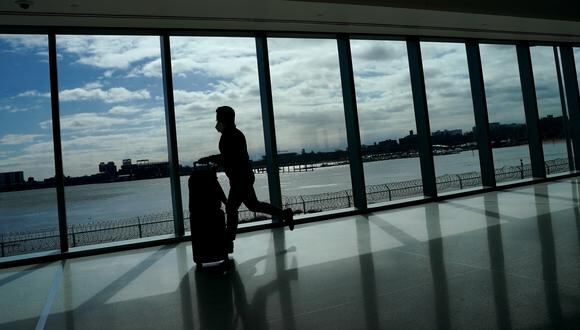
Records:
x=216, y=159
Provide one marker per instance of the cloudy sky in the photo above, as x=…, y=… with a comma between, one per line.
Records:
x=112, y=103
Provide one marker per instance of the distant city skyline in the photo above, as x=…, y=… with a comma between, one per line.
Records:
x=110, y=165
x=111, y=96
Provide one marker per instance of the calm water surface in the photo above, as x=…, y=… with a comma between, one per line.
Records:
x=36, y=209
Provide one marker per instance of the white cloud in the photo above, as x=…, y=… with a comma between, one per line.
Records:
x=150, y=70
x=123, y=110
x=33, y=93
x=16, y=109
x=19, y=42
x=15, y=139
x=112, y=95
x=110, y=52
x=87, y=122
x=218, y=58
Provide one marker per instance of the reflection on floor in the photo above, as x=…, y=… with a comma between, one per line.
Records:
x=508, y=259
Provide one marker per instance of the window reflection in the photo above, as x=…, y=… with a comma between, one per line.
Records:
x=28, y=207
x=506, y=115
x=552, y=123
x=113, y=138
x=208, y=73
x=386, y=120
x=451, y=116
x=310, y=127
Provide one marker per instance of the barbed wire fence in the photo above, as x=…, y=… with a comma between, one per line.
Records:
x=14, y=243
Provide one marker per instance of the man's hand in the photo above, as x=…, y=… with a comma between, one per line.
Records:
x=216, y=159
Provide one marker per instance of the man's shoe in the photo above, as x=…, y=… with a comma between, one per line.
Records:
x=289, y=218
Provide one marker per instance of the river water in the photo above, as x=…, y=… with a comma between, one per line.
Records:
x=36, y=209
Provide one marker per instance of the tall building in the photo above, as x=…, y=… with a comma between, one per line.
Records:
x=11, y=178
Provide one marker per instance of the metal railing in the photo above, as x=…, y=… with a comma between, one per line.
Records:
x=162, y=223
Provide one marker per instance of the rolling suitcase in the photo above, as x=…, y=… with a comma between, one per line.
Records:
x=209, y=239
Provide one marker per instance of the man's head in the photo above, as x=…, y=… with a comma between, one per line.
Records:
x=225, y=117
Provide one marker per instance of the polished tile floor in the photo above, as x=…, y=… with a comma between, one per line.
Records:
x=508, y=259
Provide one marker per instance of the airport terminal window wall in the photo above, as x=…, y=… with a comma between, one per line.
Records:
x=550, y=112
x=114, y=140
x=310, y=125
x=451, y=116
x=28, y=202
x=507, y=123
x=209, y=72
x=386, y=120
x=111, y=102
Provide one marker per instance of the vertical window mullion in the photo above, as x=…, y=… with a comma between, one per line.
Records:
x=531, y=110
x=422, y=117
x=351, y=120
x=481, y=117
x=58, y=165
x=571, y=85
x=268, y=122
x=171, y=136
x=562, y=93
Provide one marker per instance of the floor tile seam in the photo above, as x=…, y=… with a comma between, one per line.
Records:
x=362, y=299
x=352, y=301
x=322, y=309
x=475, y=267
x=423, y=283
x=535, y=279
x=51, y=296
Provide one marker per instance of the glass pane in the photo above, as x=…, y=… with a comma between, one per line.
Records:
x=310, y=128
x=451, y=116
x=386, y=120
x=505, y=107
x=550, y=110
x=577, y=62
x=113, y=138
x=213, y=72
x=28, y=208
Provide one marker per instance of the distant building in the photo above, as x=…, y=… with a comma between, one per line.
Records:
x=385, y=146
x=446, y=132
x=286, y=157
x=409, y=142
x=109, y=169
x=144, y=168
x=11, y=178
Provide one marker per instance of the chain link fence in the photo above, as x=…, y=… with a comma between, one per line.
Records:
x=162, y=223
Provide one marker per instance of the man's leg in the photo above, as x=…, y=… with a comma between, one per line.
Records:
x=253, y=204
x=235, y=198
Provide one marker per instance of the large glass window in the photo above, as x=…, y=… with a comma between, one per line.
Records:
x=451, y=116
x=113, y=138
x=507, y=123
x=577, y=62
x=386, y=120
x=552, y=123
x=310, y=127
x=213, y=72
x=28, y=208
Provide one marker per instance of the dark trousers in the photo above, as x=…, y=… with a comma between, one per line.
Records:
x=244, y=193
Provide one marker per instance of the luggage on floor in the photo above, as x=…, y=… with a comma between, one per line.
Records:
x=209, y=239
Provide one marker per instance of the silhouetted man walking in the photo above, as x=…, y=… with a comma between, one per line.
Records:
x=236, y=163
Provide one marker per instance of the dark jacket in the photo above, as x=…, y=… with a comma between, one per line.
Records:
x=236, y=161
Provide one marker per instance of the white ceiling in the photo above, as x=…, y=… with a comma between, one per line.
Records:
x=530, y=20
